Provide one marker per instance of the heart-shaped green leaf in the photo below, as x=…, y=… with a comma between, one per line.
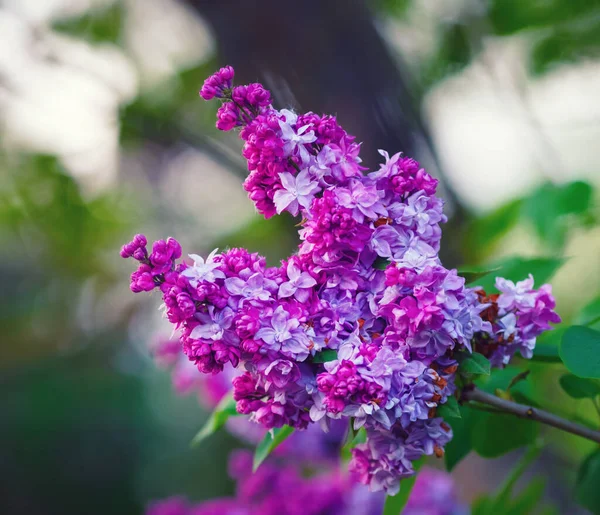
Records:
x=580, y=351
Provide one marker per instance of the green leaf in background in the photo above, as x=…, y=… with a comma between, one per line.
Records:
x=505, y=492
x=269, y=443
x=453, y=53
x=474, y=363
x=587, y=488
x=460, y=445
x=505, y=379
x=580, y=351
x=496, y=434
x=484, y=231
x=509, y=16
x=579, y=388
x=549, y=204
x=324, y=356
x=482, y=505
x=217, y=419
x=590, y=315
x=517, y=269
x=502, y=502
x=393, y=7
x=450, y=409
x=566, y=45
x=473, y=275
x=529, y=499
x=394, y=504
x=358, y=438
x=102, y=25
x=381, y=263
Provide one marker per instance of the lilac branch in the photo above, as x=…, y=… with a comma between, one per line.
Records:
x=529, y=412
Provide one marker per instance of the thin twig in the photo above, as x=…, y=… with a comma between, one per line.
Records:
x=484, y=407
x=523, y=411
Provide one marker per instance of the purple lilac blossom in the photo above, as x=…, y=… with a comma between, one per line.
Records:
x=396, y=331
x=518, y=315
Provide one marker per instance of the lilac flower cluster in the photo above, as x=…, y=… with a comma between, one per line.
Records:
x=275, y=489
x=366, y=285
x=518, y=314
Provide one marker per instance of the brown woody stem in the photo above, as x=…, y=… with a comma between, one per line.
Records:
x=529, y=412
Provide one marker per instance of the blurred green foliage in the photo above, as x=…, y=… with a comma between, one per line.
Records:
x=52, y=241
x=551, y=210
x=99, y=25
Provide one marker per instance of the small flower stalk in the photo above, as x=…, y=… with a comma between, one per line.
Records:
x=395, y=332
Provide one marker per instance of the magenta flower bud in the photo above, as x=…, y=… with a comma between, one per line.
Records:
x=161, y=253
x=140, y=254
x=257, y=95
x=228, y=117
x=216, y=84
x=174, y=247
x=138, y=242
x=226, y=74
x=186, y=305
x=250, y=347
x=247, y=406
x=243, y=386
x=125, y=252
x=142, y=280
x=208, y=92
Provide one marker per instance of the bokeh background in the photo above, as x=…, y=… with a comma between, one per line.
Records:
x=103, y=135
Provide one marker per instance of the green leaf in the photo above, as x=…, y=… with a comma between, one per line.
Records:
x=504, y=379
x=217, y=419
x=509, y=16
x=393, y=7
x=453, y=53
x=460, y=445
x=324, y=356
x=566, y=45
x=269, y=443
x=483, y=232
x=547, y=207
x=579, y=388
x=529, y=499
x=590, y=315
x=483, y=506
x=587, y=492
x=575, y=197
x=580, y=351
x=474, y=363
x=381, y=263
x=517, y=269
x=394, y=504
x=358, y=438
x=505, y=492
x=97, y=26
x=472, y=274
x=450, y=409
x=496, y=434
